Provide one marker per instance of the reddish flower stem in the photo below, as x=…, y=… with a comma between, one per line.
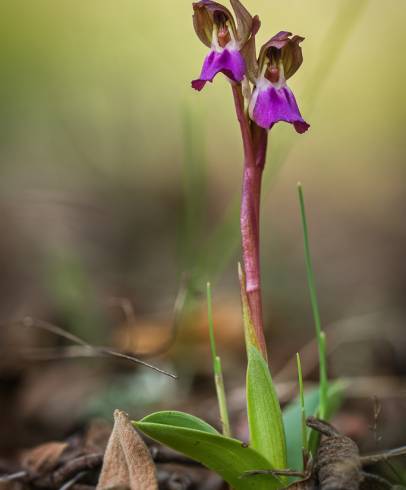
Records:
x=254, y=142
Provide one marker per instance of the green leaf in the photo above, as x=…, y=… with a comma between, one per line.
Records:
x=179, y=419
x=292, y=420
x=196, y=439
x=292, y=423
x=334, y=400
x=264, y=412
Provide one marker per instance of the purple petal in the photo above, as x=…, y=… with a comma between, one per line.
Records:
x=229, y=61
x=273, y=105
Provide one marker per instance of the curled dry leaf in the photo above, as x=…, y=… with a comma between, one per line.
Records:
x=97, y=436
x=44, y=458
x=127, y=462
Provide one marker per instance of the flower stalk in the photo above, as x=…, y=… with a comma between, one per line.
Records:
x=254, y=159
x=232, y=52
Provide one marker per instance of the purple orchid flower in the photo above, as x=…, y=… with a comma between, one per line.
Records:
x=216, y=28
x=272, y=100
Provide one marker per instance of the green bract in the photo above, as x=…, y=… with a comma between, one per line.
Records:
x=264, y=412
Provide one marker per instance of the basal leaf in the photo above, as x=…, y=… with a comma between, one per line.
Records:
x=179, y=419
x=264, y=412
x=228, y=457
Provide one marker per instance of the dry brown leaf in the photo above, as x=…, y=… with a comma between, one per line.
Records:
x=42, y=459
x=11, y=485
x=97, y=436
x=127, y=462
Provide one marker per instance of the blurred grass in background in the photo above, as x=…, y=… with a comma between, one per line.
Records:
x=117, y=179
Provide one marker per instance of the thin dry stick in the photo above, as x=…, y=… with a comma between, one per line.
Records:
x=71, y=469
x=178, y=308
x=18, y=475
x=376, y=413
x=98, y=350
x=383, y=456
x=72, y=481
x=377, y=437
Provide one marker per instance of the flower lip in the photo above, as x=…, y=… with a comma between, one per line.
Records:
x=270, y=105
x=228, y=61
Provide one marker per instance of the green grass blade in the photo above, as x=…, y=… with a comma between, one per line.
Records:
x=228, y=457
x=194, y=179
x=293, y=426
x=302, y=406
x=293, y=422
x=211, y=324
x=315, y=309
x=217, y=368
x=334, y=400
x=264, y=413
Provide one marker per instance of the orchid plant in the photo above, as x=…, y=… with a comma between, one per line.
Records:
x=258, y=108
x=262, y=98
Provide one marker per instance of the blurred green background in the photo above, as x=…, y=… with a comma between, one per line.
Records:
x=118, y=180
x=97, y=112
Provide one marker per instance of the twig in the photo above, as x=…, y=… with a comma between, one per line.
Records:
x=71, y=468
x=370, y=459
x=376, y=413
x=178, y=308
x=376, y=480
x=18, y=475
x=71, y=482
x=99, y=350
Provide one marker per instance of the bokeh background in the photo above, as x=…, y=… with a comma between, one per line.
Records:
x=119, y=190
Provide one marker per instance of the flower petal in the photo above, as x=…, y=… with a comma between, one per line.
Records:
x=228, y=61
x=249, y=51
x=291, y=52
x=203, y=19
x=272, y=105
x=245, y=21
